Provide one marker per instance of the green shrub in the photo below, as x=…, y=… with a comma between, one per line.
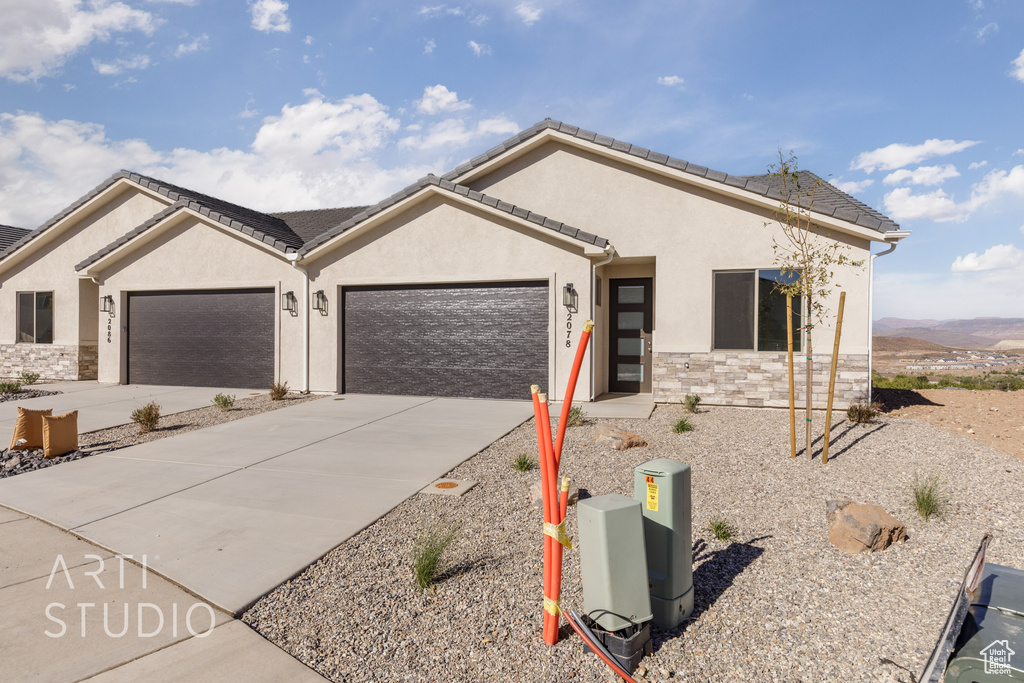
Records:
x=224, y=402
x=10, y=387
x=929, y=498
x=29, y=378
x=576, y=417
x=147, y=417
x=278, y=390
x=721, y=529
x=861, y=413
x=524, y=462
x=691, y=403
x=428, y=550
x=683, y=425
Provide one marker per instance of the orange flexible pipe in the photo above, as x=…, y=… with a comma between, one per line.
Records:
x=550, y=494
x=556, y=559
x=570, y=389
x=538, y=408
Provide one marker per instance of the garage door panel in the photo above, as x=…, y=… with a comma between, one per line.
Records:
x=486, y=341
x=202, y=338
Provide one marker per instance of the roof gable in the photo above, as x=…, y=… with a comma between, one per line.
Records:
x=541, y=222
x=830, y=201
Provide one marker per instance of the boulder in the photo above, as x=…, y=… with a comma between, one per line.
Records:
x=617, y=438
x=861, y=527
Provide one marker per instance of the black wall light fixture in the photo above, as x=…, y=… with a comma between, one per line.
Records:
x=320, y=302
x=289, y=303
x=107, y=304
x=569, y=297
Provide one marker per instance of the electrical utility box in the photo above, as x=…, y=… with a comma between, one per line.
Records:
x=990, y=648
x=613, y=565
x=662, y=487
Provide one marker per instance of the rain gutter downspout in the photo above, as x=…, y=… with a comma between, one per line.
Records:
x=871, y=316
x=295, y=257
x=610, y=250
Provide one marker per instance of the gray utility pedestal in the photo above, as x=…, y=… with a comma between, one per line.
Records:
x=663, y=488
x=990, y=648
x=612, y=562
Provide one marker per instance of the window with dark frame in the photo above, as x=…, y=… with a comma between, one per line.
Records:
x=35, y=317
x=750, y=312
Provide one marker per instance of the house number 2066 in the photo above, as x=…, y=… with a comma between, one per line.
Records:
x=568, y=330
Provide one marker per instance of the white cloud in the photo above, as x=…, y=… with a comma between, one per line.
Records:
x=270, y=15
x=250, y=110
x=1018, y=67
x=455, y=133
x=898, y=155
x=428, y=47
x=438, y=98
x=1018, y=153
x=999, y=257
x=196, y=45
x=38, y=37
x=986, y=30
x=977, y=164
x=528, y=12
x=479, y=48
x=900, y=204
x=852, y=186
x=922, y=175
x=119, y=65
x=308, y=40
x=670, y=80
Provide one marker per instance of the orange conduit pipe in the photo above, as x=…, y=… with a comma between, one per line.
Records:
x=598, y=649
x=549, y=490
x=570, y=389
x=538, y=407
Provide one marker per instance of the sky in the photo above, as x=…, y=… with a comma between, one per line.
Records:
x=915, y=108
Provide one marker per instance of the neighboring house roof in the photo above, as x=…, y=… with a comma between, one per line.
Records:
x=831, y=201
x=10, y=234
x=309, y=224
x=427, y=181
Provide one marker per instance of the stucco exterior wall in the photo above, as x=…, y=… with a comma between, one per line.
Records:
x=441, y=241
x=689, y=231
x=191, y=254
x=48, y=264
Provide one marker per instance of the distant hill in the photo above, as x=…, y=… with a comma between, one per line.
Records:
x=897, y=344
x=977, y=333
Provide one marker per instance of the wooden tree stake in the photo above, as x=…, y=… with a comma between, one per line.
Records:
x=832, y=376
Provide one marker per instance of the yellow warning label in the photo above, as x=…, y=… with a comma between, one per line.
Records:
x=652, y=497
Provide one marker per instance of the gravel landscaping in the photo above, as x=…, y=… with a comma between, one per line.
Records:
x=26, y=394
x=106, y=440
x=776, y=602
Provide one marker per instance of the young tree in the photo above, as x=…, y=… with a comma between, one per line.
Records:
x=806, y=255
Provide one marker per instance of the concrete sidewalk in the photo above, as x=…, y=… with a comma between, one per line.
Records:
x=232, y=511
x=101, y=406
x=105, y=620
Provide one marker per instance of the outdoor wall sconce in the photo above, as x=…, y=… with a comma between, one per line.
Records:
x=290, y=303
x=320, y=302
x=107, y=304
x=569, y=297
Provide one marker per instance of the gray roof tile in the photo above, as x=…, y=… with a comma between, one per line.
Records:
x=10, y=234
x=829, y=200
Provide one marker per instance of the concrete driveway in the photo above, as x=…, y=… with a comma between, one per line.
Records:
x=232, y=511
x=101, y=406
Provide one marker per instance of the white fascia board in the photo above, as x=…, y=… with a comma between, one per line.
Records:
x=818, y=219
x=429, y=191
x=168, y=222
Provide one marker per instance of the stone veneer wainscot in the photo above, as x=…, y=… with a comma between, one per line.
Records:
x=756, y=379
x=50, y=361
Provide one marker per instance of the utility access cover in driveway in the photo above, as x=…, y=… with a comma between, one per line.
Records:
x=232, y=511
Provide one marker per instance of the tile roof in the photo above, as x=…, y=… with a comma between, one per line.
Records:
x=10, y=234
x=517, y=211
x=309, y=224
x=830, y=200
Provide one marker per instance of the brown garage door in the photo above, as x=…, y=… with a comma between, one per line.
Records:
x=473, y=340
x=212, y=338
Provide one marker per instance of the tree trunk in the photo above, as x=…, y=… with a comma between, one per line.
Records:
x=810, y=377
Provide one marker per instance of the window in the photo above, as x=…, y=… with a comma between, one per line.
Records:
x=35, y=317
x=750, y=313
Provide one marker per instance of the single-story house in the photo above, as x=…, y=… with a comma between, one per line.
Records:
x=475, y=283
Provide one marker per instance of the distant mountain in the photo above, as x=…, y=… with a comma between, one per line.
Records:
x=977, y=333
x=899, y=344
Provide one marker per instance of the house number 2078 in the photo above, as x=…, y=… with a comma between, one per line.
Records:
x=568, y=330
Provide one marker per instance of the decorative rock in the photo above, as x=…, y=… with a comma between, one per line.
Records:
x=617, y=438
x=861, y=527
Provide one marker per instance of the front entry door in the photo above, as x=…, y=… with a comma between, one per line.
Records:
x=631, y=309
